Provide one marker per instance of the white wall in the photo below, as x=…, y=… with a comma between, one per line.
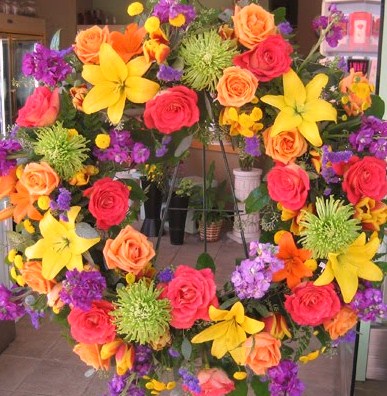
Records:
x=383, y=59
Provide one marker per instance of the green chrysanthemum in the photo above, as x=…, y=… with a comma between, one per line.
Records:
x=140, y=316
x=63, y=150
x=332, y=230
x=205, y=56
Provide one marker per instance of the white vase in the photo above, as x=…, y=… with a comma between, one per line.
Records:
x=244, y=183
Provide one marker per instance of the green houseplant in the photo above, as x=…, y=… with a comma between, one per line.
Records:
x=209, y=202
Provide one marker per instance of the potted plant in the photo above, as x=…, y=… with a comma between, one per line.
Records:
x=213, y=201
x=177, y=212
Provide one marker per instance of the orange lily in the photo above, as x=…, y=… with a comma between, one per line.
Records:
x=91, y=355
x=129, y=43
x=8, y=183
x=294, y=258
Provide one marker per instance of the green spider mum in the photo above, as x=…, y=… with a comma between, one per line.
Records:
x=330, y=231
x=63, y=150
x=140, y=316
x=205, y=56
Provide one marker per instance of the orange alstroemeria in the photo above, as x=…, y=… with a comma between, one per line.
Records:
x=295, y=269
x=8, y=183
x=123, y=352
x=276, y=325
x=22, y=205
x=157, y=47
x=371, y=213
x=129, y=43
x=316, y=160
x=295, y=215
x=91, y=355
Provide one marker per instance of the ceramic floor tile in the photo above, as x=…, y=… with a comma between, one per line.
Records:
x=14, y=369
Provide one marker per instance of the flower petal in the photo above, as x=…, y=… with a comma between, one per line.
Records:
x=138, y=66
x=112, y=66
x=310, y=132
x=294, y=89
x=116, y=110
x=100, y=97
x=286, y=120
x=215, y=331
x=319, y=110
x=277, y=101
x=346, y=277
x=93, y=74
x=315, y=86
x=327, y=276
x=140, y=90
x=252, y=326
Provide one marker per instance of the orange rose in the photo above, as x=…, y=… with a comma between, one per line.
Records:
x=39, y=179
x=252, y=24
x=130, y=251
x=236, y=87
x=91, y=355
x=263, y=352
x=88, y=43
x=341, y=323
x=32, y=274
x=286, y=146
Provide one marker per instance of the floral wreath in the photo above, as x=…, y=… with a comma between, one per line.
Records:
x=134, y=100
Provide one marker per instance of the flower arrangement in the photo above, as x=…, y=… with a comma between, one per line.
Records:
x=118, y=101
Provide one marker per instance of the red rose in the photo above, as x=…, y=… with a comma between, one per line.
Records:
x=311, y=305
x=172, y=110
x=40, y=109
x=191, y=292
x=365, y=178
x=214, y=382
x=268, y=59
x=109, y=202
x=289, y=185
x=93, y=326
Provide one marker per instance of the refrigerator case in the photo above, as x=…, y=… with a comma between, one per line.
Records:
x=14, y=90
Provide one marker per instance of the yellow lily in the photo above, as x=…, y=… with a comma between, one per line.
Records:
x=230, y=333
x=114, y=82
x=60, y=246
x=355, y=262
x=300, y=106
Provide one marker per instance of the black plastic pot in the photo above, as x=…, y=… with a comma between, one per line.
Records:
x=177, y=215
x=152, y=208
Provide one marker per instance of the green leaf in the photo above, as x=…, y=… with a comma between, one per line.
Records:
x=257, y=199
x=279, y=15
x=205, y=261
x=18, y=241
x=55, y=41
x=240, y=389
x=260, y=388
x=186, y=349
x=377, y=108
x=184, y=145
x=136, y=192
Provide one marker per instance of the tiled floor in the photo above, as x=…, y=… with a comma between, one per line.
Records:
x=40, y=363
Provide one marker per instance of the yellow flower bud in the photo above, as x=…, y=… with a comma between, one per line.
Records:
x=18, y=261
x=44, y=202
x=28, y=226
x=178, y=21
x=130, y=278
x=152, y=24
x=311, y=264
x=20, y=280
x=19, y=171
x=240, y=375
x=72, y=132
x=102, y=141
x=13, y=273
x=135, y=8
x=11, y=255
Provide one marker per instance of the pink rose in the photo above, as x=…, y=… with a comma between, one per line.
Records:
x=172, y=110
x=214, y=382
x=191, y=292
x=268, y=59
x=288, y=185
x=41, y=108
x=109, y=202
x=93, y=326
x=311, y=305
x=365, y=178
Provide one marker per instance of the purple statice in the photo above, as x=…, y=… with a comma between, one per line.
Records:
x=190, y=381
x=284, y=380
x=332, y=157
x=348, y=338
x=285, y=28
x=169, y=9
x=320, y=23
x=7, y=148
x=368, y=303
x=253, y=276
x=117, y=384
x=35, y=317
x=82, y=288
x=252, y=146
x=371, y=136
x=46, y=65
x=63, y=201
x=11, y=303
x=165, y=275
x=119, y=150
x=142, y=361
x=163, y=149
x=168, y=73
x=140, y=153
x=173, y=352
